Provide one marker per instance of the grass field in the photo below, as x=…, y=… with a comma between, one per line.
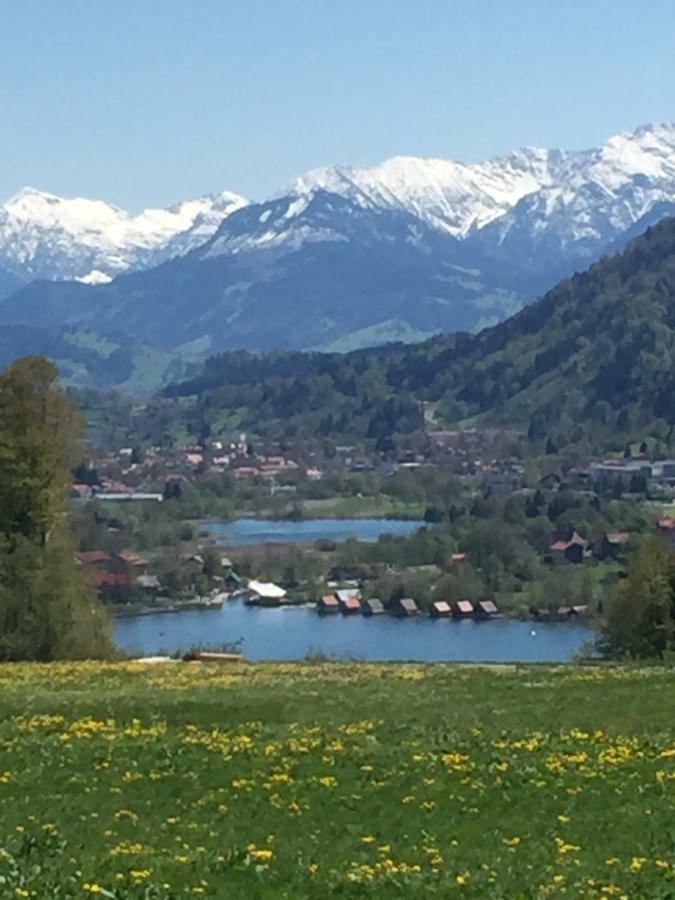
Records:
x=339, y=780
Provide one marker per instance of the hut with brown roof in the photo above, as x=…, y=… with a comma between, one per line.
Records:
x=462, y=609
x=486, y=609
x=372, y=607
x=571, y=551
x=327, y=604
x=406, y=607
x=440, y=609
x=349, y=604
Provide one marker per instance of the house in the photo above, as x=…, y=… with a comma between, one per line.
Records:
x=193, y=565
x=440, y=609
x=264, y=593
x=619, y=472
x=350, y=605
x=571, y=551
x=327, y=604
x=406, y=607
x=463, y=608
x=373, y=607
x=115, y=586
x=486, y=609
x=132, y=559
x=232, y=582
x=613, y=543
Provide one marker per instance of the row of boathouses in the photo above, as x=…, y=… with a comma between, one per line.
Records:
x=350, y=603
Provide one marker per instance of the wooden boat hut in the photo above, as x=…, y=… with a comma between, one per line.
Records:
x=327, y=604
x=406, y=607
x=349, y=604
x=486, y=609
x=372, y=607
x=462, y=609
x=440, y=609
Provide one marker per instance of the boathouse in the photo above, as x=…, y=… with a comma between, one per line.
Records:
x=486, y=609
x=349, y=604
x=327, y=604
x=440, y=609
x=406, y=607
x=373, y=607
x=264, y=593
x=463, y=608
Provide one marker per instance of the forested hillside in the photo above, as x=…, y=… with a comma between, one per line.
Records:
x=591, y=360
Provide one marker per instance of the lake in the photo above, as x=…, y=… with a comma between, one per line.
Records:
x=292, y=632
x=241, y=532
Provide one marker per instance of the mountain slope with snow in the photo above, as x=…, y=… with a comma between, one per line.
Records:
x=455, y=197
x=349, y=256
x=56, y=238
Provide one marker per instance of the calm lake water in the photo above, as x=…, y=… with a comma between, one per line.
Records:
x=266, y=531
x=291, y=632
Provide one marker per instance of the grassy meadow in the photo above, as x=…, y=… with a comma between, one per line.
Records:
x=349, y=780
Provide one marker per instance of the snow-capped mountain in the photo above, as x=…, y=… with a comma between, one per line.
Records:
x=455, y=197
x=351, y=256
x=525, y=219
x=46, y=236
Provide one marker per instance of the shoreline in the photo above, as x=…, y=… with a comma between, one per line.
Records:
x=310, y=606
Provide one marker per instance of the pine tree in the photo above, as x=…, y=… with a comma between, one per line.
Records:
x=47, y=609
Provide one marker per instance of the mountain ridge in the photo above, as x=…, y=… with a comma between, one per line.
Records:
x=349, y=256
x=45, y=236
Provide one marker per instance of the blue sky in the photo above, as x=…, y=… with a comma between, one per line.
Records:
x=144, y=102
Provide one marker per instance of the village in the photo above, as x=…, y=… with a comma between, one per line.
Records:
x=144, y=517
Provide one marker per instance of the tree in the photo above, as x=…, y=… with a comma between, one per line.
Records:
x=47, y=610
x=641, y=617
x=213, y=566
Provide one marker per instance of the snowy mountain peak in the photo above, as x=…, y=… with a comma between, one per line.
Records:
x=43, y=235
x=453, y=196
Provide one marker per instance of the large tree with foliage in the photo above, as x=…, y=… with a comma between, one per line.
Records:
x=47, y=609
x=641, y=617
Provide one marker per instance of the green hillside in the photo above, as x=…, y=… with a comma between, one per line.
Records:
x=87, y=359
x=590, y=361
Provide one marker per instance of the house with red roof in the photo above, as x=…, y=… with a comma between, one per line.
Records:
x=571, y=551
